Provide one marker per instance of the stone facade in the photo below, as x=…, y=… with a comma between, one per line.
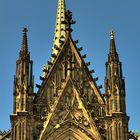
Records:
x=68, y=104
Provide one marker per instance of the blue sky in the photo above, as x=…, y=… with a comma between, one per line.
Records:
x=95, y=18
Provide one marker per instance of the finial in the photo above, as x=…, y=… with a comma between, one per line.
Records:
x=25, y=30
x=112, y=34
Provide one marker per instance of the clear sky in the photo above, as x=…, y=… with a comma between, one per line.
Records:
x=95, y=18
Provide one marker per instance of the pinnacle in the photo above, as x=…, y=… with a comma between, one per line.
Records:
x=112, y=43
x=113, y=55
x=24, y=42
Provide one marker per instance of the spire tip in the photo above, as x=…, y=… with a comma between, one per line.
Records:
x=24, y=41
x=112, y=34
x=25, y=30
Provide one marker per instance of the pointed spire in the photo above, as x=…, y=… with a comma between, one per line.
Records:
x=112, y=42
x=25, y=42
x=114, y=82
x=60, y=34
x=113, y=55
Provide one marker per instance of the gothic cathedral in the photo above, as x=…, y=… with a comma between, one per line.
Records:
x=68, y=104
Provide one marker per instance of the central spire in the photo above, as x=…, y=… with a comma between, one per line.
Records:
x=60, y=34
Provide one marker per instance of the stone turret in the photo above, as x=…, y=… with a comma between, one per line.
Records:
x=117, y=127
x=23, y=94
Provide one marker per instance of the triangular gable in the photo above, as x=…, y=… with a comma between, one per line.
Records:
x=70, y=44
x=69, y=108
